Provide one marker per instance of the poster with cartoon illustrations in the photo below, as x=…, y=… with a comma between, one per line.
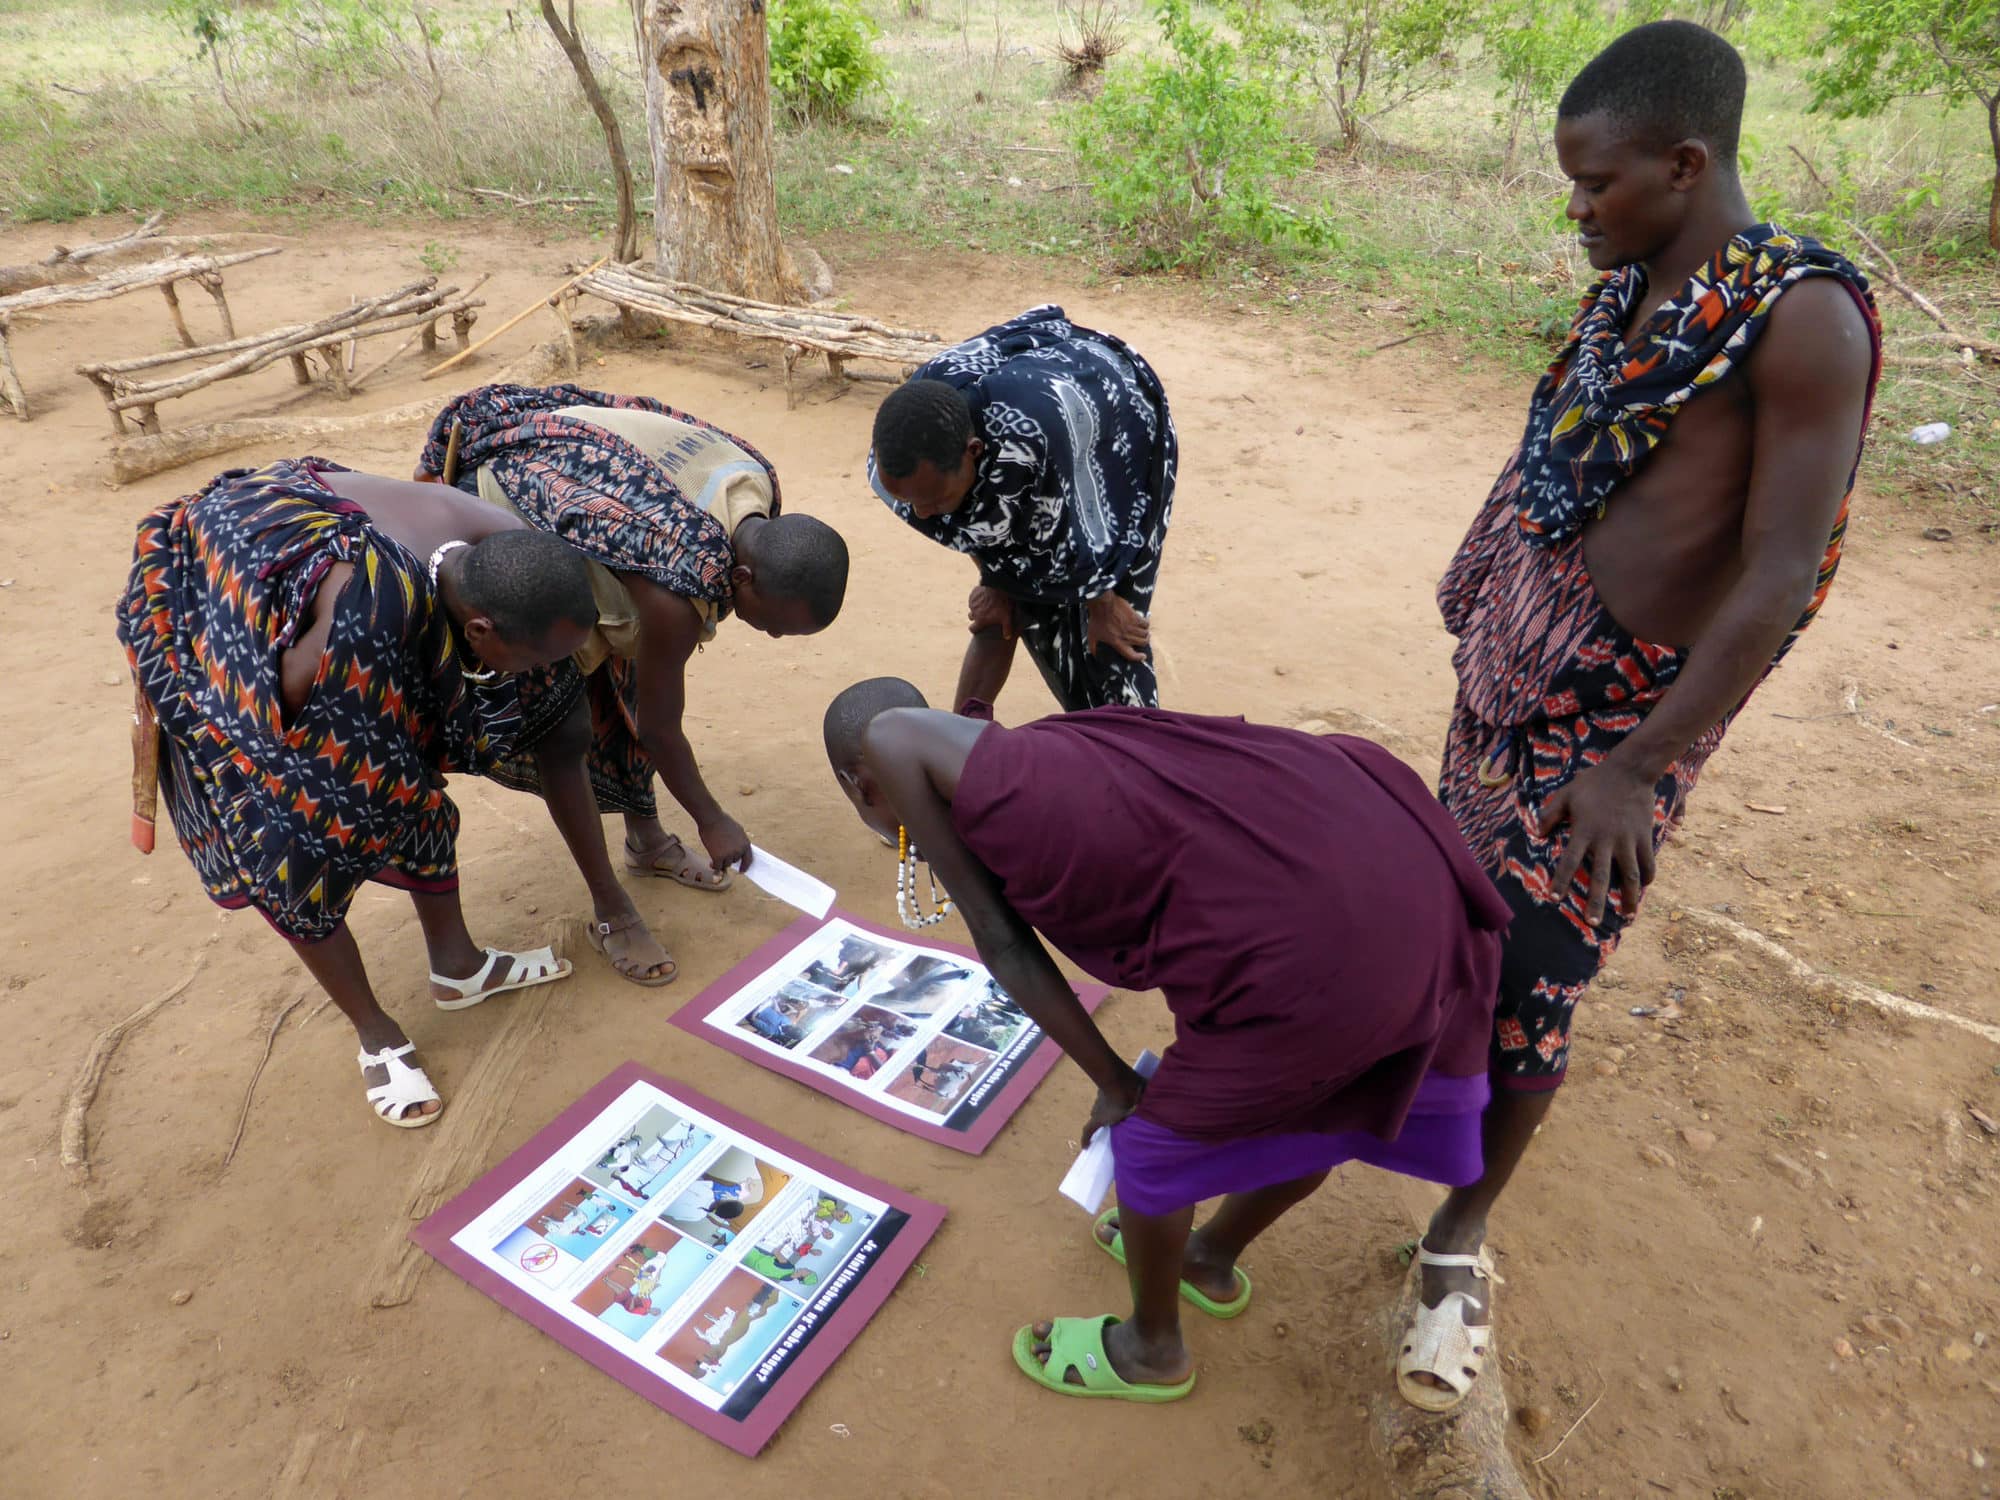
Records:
x=916, y=1034
x=711, y=1265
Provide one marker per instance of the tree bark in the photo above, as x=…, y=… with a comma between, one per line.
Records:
x=1993, y=201
x=708, y=111
x=571, y=41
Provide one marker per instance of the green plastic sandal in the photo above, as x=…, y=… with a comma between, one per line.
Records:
x=1189, y=1291
x=1078, y=1344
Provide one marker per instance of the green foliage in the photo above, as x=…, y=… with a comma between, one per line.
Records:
x=1535, y=47
x=822, y=57
x=1184, y=152
x=1362, y=58
x=1878, y=51
x=437, y=258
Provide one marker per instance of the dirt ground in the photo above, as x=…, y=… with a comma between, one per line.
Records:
x=1754, y=1254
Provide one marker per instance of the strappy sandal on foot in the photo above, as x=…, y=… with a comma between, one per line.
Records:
x=1441, y=1343
x=670, y=862
x=600, y=933
x=502, y=972
x=406, y=1089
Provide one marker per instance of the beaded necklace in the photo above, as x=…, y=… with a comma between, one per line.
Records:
x=908, y=906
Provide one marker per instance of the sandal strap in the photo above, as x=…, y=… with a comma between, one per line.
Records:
x=1477, y=1264
x=622, y=924
x=406, y=1086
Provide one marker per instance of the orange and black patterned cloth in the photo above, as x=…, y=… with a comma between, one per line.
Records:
x=291, y=816
x=620, y=507
x=1548, y=682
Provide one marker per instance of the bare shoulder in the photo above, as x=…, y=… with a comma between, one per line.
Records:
x=1817, y=345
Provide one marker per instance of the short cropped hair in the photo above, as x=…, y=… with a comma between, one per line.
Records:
x=850, y=714
x=1664, y=82
x=921, y=421
x=800, y=557
x=527, y=582
x=729, y=1208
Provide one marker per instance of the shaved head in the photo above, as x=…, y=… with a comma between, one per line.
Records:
x=850, y=714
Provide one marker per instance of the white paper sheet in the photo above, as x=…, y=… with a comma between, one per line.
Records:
x=1089, y=1176
x=789, y=883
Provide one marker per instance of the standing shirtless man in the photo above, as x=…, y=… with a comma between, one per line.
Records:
x=1669, y=525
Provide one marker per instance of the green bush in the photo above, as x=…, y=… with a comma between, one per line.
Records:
x=1184, y=152
x=822, y=57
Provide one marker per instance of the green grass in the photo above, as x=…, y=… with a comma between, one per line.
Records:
x=109, y=109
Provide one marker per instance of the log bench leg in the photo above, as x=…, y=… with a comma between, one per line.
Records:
x=11, y=395
x=211, y=282
x=109, y=392
x=149, y=421
x=561, y=310
x=301, y=371
x=430, y=336
x=461, y=328
x=174, y=307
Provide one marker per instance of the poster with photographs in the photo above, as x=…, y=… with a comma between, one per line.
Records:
x=714, y=1267
x=914, y=1033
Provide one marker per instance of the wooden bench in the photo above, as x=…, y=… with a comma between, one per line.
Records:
x=333, y=340
x=204, y=270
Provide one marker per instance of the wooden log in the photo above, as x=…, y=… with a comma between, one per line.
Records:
x=624, y=279
x=645, y=275
x=519, y=317
x=127, y=279
x=1460, y=1455
x=211, y=282
x=856, y=346
x=61, y=264
x=174, y=307
x=11, y=395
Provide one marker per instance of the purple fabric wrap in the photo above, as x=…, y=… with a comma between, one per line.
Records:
x=1159, y=1171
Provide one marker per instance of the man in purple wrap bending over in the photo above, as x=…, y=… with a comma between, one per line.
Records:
x=1326, y=944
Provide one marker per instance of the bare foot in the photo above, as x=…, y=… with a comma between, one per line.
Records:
x=1202, y=1267
x=1137, y=1362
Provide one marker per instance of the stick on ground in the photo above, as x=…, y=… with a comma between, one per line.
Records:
x=243, y=1115
x=89, y=1077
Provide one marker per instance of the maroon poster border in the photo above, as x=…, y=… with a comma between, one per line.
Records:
x=845, y=1322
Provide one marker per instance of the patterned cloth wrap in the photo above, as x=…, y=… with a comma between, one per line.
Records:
x=1073, y=492
x=292, y=818
x=619, y=507
x=1548, y=682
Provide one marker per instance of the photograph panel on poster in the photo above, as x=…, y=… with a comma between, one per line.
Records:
x=648, y=1154
x=725, y=1199
x=650, y=1276
x=939, y=1074
x=862, y=1045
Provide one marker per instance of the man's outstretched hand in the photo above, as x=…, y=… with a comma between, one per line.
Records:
x=727, y=844
x=989, y=609
x=1610, y=815
x=1116, y=624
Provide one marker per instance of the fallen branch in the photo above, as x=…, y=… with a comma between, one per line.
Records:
x=1851, y=990
x=51, y=268
x=1889, y=272
x=243, y=1115
x=519, y=202
x=89, y=1077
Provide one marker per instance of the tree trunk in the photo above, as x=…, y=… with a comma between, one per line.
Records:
x=1993, y=201
x=708, y=110
x=570, y=39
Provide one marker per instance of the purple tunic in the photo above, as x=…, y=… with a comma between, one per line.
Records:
x=1322, y=936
